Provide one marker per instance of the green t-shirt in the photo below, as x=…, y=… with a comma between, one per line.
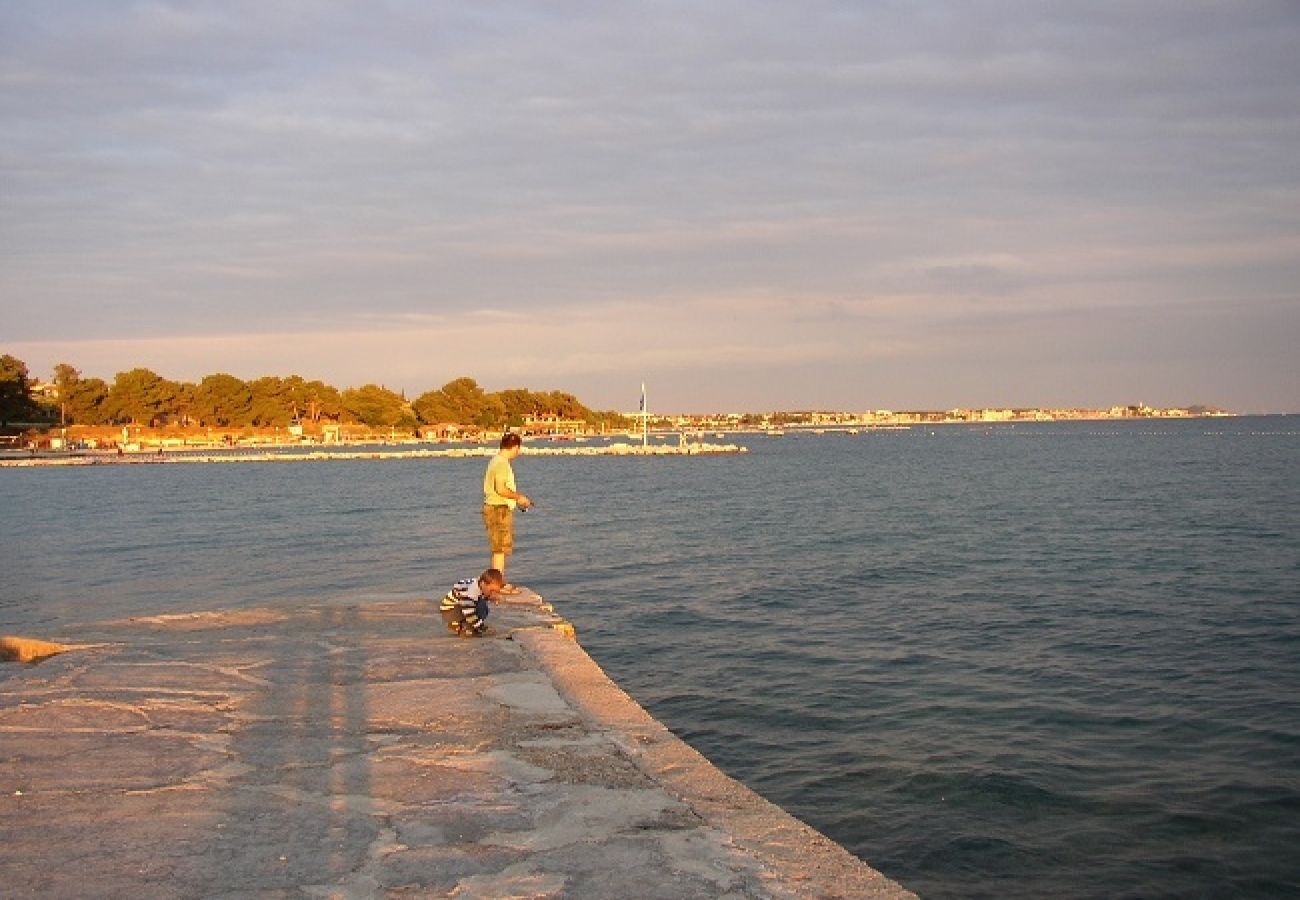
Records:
x=498, y=468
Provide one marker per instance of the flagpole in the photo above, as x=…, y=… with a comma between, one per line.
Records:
x=645, y=419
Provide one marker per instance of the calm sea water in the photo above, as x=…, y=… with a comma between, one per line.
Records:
x=1020, y=661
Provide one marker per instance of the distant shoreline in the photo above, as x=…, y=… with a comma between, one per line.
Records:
x=248, y=455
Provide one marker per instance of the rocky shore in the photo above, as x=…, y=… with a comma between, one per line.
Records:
x=360, y=751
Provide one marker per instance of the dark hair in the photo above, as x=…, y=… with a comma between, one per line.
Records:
x=492, y=576
x=510, y=439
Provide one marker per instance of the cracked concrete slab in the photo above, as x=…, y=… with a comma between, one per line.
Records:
x=360, y=751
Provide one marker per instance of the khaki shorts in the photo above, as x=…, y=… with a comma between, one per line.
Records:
x=500, y=522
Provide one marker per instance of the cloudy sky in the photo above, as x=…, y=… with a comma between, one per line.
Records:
x=745, y=205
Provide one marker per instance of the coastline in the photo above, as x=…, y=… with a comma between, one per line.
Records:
x=169, y=457
x=357, y=750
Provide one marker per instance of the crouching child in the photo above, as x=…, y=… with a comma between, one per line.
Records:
x=465, y=607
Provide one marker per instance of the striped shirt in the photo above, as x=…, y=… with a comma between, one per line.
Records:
x=464, y=604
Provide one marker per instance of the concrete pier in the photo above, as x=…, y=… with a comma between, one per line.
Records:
x=361, y=751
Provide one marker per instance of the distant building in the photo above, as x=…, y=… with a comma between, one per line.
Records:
x=44, y=390
x=442, y=431
x=553, y=425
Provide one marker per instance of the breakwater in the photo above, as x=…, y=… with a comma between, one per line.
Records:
x=359, y=750
x=246, y=456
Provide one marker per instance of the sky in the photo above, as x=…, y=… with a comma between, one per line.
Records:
x=746, y=206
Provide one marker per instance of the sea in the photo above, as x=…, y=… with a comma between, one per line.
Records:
x=1026, y=660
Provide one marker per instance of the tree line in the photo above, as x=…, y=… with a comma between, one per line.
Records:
x=142, y=397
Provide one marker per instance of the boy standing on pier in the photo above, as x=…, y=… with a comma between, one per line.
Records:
x=464, y=608
x=499, y=501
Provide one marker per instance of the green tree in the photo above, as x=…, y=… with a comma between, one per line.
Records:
x=272, y=403
x=431, y=408
x=610, y=419
x=16, y=403
x=314, y=400
x=85, y=401
x=517, y=404
x=461, y=401
x=140, y=396
x=180, y=409
x=564, y=405
x=66, y=379
x=465, y=399
x=81, y=400
x=222, y=400
x=175, y=398
x=282, y=401
x=491, y=414
x=378, y=407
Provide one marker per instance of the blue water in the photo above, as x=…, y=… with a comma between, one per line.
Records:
x=1014, y=661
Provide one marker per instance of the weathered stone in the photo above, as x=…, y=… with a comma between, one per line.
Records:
x=358, y=751
x=35, y=761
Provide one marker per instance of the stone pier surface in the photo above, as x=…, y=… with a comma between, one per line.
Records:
x=361, y=751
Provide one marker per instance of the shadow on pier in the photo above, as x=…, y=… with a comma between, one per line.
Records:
x=303, y=813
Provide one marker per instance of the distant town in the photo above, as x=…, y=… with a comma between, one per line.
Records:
x=884, y=418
